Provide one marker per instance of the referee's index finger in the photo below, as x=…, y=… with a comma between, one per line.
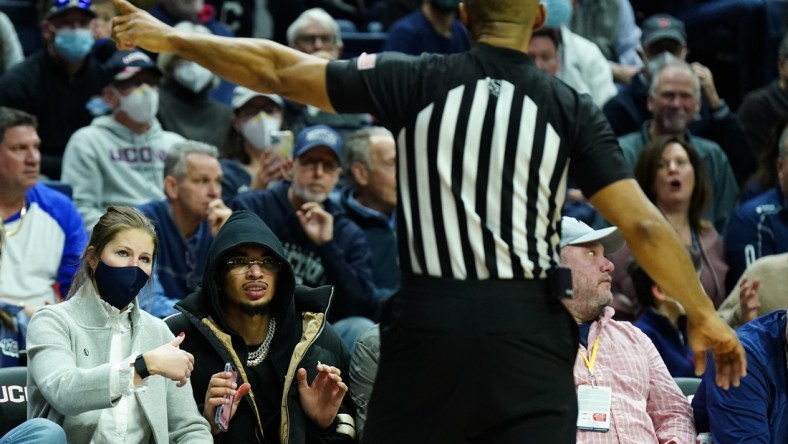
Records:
x=124, y=6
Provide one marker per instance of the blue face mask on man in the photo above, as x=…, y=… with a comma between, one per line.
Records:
x=73, y=44
x=118, y=286
x=559, y=12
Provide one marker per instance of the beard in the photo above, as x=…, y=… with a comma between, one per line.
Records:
x=588, y=301
x=308, y=196
x=674, y=123
x=252, y=310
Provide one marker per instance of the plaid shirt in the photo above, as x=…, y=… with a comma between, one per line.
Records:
x=647, y=406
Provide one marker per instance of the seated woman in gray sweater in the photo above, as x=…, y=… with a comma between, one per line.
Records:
x=101, y=367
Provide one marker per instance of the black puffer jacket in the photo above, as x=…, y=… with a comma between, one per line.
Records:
x=302, y=338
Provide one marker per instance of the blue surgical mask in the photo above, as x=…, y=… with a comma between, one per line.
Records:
x=559, y=12
x=118, y=286
x=73, y=44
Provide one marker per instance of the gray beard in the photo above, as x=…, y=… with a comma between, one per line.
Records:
x=252, y=310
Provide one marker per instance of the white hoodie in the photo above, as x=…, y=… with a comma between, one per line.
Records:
x=107, y=164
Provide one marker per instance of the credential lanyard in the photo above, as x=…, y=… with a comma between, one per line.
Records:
x=590, y=362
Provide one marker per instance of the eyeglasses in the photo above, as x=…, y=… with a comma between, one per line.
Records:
x=679, y=163
x=238, y=265
x=329, y=166
x=311, y=39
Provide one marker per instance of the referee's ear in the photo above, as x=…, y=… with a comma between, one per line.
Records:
x=539, y=18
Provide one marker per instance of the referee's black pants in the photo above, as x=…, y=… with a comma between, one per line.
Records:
x=474, y=361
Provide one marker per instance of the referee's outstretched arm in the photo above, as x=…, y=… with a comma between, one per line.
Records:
x=261, y=65
x=657, y=247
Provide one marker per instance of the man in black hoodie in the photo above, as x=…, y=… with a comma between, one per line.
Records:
x=249, y=312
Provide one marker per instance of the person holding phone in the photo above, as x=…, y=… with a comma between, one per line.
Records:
x=255, y=154
x=286, y=363
x=99, y=366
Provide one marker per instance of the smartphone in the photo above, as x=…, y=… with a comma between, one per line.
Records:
x=222, y=418
x=281, y=143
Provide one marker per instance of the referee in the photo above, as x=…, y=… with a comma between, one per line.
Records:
x=476, y=347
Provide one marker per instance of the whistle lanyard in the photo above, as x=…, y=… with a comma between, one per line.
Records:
x=590, y=362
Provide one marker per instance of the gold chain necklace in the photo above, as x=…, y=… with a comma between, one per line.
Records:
x=22, y=213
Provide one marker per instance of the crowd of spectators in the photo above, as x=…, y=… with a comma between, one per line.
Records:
x=85, y=127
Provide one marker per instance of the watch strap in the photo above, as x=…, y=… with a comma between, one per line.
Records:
x=140, y=367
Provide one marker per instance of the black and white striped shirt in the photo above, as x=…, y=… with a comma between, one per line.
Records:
x=484, y=146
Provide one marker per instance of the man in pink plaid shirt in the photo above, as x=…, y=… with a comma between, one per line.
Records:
x=625, y=393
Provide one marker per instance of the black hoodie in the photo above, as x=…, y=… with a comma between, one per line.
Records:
x=302, y=338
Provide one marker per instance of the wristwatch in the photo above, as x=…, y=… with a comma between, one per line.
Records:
x=140, y=367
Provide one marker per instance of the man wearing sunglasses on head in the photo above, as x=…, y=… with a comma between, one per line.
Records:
x=250, y=313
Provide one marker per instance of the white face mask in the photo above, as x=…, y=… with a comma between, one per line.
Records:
x=192, y=76
x=257, y=130
x=141, y=105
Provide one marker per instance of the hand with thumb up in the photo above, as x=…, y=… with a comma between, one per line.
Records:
x=170, y=361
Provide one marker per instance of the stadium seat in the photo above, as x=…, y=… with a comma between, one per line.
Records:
x=13, y=397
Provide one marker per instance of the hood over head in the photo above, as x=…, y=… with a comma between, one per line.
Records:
x=244, y=228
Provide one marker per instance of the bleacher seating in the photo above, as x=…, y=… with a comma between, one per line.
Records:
x=357, y=42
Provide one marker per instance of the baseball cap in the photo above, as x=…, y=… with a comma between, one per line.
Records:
x=574, y=232
x=662, y=26
x=241, y=95
x=124, y=64
x=58, y=6
x=318, y=135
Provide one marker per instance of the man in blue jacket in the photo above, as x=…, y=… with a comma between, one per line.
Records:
x=323, y=245
x=757, y=410
x=759, y=227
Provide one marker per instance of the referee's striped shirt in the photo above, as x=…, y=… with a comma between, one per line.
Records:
x=485, y=142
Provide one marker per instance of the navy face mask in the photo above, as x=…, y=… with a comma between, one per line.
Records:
x=118, y=286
